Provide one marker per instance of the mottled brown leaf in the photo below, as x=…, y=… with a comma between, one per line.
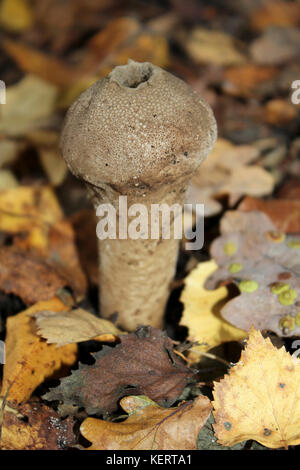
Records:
x=143, y=363
x=265, y=265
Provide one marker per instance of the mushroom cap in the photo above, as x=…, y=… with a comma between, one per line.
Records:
x=139, y=125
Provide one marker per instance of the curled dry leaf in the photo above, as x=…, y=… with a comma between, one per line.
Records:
x=143, y=363
x=149, y=426
x=201, y=313
x=74, y=326
x=265, y=266
x=29, y=359
x=260, y=398
x=284, y=213
x=276, y=46
x=36, y=427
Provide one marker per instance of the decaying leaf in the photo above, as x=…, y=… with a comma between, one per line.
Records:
x=143, y=363
x=260, y=398
x=29, y=359
x=43, y=257
x=34, y=426
x=201, y=313
x=28, y=276
x=265, y=266
x=29, y=104
x=74, y=326
x=149, y=426
x=284, y=213
x=226, y=172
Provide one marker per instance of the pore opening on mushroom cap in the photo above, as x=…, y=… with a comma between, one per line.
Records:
x=132, y=75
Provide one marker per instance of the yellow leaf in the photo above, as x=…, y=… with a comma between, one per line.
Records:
x=260, y=398
x=201, y=314
x=149, y=426
x=29, y=359
x=16, y=15
x=29, y=209
x=74, y=326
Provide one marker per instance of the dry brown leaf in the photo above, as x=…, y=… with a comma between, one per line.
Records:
x=35, y=62
x=149, y=426
x=279, y=112
x=275, y=13
x=34, y=426
x=73, y=327
x=29, y=359
x=226, y=172
x=201, y=313
x=260, y=398
x=248, y=80
x=284, y=213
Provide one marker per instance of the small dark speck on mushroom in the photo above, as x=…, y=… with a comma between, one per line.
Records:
x=281, y=385
x=267, y=432
x=185, y=154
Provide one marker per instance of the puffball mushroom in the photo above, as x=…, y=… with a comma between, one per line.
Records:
x=140, y=132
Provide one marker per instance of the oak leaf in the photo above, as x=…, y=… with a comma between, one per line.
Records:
x=29, y=359
x=143, y=363
x=201, y=313
x=260, y=398
x=149, y=426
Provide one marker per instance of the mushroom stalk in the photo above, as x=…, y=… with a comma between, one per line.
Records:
x=139, y=133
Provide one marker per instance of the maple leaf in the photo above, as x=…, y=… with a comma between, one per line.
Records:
x=149, y=426
x=265, y=265
x=260, y=398
x=201, y=314
x=143, y=363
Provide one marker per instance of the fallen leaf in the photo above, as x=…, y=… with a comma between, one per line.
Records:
x=29, y=359
x=53, y=165
x=265, y=265
x=16, y=15
x=36, y=427
x=7, y=180
x=149, y=426
x=28, y=276
x=73, y=326
x=279, y=112
x=275, y=13
x=45, y=69
x=284, y=213
x=8, y=151
x=215, y=47
x=201, y=312
x=29, y=105
x=276, y=46
x=260, y=397
x=42, y=241
x=249, y=80
x=143, y=363
x=226, y=172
